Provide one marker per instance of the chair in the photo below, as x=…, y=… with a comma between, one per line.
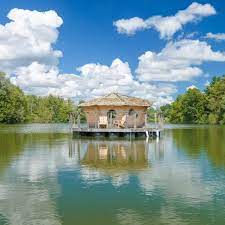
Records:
x=121, y=123
x=103, y=122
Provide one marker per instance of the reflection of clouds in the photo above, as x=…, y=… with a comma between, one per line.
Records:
x=175, y=177
x=35, y=165
x=28, y=203
x=29, y=185
x=129, y=217
x=169, y=216
x=120, y=179
x=177, y=181
x=92, y=176
x=166, y=215
x=3, y=191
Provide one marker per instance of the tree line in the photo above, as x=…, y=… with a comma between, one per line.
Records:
x=197, y=107
x=16, y=107
x=192, y=107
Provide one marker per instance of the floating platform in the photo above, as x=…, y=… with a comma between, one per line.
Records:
x=116, y=132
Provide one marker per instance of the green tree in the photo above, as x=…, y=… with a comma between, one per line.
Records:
x=12, y=102
x=188, y=108
x=166, y=109
x=215, y=96
x=16, y=107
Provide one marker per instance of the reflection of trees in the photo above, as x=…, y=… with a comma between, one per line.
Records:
x=28, y=182
x=209, y=140
x=12, y=144
x=118, y=155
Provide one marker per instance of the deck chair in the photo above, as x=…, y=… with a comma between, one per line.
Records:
x=121, y=123
x=103, y=122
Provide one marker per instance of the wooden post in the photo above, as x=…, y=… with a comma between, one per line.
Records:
x=110, y=120
x=78, y=120
x=126, y=120
x=146, y=119
x=71, y=121
x=135, y=120
x=155, y=120
x=87, y=114
x=95, y=119
x=74, y=120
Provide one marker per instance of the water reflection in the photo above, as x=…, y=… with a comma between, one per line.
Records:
x=115, y=155
x=53, y=179
x=28, y=177
x=201, y=140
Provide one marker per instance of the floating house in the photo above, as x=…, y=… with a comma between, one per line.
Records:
x=115, y=110
x=115, y=114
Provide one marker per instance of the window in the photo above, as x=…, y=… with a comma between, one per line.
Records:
x=111, y=114
x=132, y=113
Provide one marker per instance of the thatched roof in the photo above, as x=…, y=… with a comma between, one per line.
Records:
x=115, y=99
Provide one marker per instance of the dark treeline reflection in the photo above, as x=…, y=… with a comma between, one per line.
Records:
x=208, y=140
x=13, y=144
x=10, y=146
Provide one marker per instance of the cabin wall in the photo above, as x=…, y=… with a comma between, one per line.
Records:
x=93, y=113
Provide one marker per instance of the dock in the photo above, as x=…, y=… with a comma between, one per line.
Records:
x=116, y=132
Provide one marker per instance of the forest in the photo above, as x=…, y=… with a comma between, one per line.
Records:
x=192, y=107
x=16, y=107
x=199, y=107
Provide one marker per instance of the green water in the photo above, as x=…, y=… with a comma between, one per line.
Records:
x=46, y=177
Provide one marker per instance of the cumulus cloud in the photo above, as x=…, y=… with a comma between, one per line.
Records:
x=28, y=56
x=93, y=80
x=28, y=37
x=178, y=61
x=191, y=87
x=130, y=26
x=217, y=37
x=167, y=26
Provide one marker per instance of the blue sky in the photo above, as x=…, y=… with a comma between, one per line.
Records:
x=88, y=36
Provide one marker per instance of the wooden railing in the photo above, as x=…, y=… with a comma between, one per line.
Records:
x=75, y=122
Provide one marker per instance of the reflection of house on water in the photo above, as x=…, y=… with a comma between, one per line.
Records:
x=115, y=154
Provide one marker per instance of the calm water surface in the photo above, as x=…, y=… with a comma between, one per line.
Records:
x=48, y=178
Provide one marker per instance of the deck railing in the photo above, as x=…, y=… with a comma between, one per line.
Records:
x=75, y=122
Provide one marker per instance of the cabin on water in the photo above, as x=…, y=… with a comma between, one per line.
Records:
x=115, y=114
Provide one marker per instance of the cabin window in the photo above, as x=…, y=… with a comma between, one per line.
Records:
x=132, y=113
x=111, y=114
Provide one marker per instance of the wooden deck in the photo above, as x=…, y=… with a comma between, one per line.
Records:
x=116, y=132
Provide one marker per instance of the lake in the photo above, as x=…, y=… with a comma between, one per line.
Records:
x=49, y=178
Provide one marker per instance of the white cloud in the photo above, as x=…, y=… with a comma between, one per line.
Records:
x=191, y=87
x=217, y=37
x=28, y=56
x=167, y=26
x=93, y=80
x=130, y=26
x=178, y=61
x=36, y=75
x=28, y=37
